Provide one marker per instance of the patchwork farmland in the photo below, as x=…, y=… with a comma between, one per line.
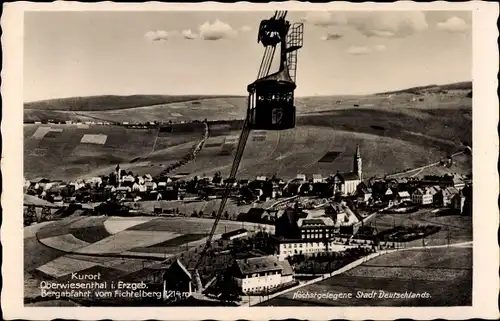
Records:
x=114, y=246
x=394, y=134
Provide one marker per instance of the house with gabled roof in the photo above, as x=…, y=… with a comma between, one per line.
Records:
x=177, y=278
x=261, y=274
x=423, y=196
x=445, y=196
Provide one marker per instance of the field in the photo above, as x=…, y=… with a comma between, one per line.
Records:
x=138, y=150
x=110, y=102
x=112, y=246
x=444, y=273
x=454, y=228
x=395, y=133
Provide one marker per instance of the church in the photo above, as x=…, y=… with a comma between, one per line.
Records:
x=346, y=183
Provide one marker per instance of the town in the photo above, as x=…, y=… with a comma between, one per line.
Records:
x=203, y=181
x=316, y=224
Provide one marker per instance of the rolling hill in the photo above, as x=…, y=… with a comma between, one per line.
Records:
x=465, y=85
x=395, y=132
x=110, y=102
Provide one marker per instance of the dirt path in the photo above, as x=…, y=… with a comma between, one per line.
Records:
x=192, y=155
x=420, y=168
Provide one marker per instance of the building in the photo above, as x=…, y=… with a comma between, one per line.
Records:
x=262, y=274
x=347, y=183
x=458, y=202
x=423, y=196
x=177, y=278
x=316, y=178
x=389, y=195
x=286, y=224
x=445, y=196
x=234, y=234
x=301, y=177
x=404, y=196
x=364, y=193
x=286, y=248
x=320, y=228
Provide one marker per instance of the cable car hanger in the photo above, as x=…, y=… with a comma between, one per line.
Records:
x=270, y=100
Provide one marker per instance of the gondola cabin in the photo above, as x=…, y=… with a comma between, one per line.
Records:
x=271, y=103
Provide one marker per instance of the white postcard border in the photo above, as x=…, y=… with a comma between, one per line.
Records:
x=485, y=175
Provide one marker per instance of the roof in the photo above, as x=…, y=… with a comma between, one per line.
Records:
x=404, y=194
x=282, y=76
x=286, y=268
x=178, y=264
x=313, y=221
x=349, y=176
x=234, y=233
x=256, y=211
x=433, y=190
x=450, y=191
x=258, y=264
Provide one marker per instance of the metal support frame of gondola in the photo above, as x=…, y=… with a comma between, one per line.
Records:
x=270, y=36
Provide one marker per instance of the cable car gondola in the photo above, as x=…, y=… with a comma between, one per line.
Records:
x=270, y=101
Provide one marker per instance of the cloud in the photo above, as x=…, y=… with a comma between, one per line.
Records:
x=324, y=19
x=188, y=34
x=356, y=50
x=372, y=24
x=157, y=35
x=331, y=36
x=389, y=24
x=363, y=50
x=245, y=28
x=215, y=31
x=453, y=24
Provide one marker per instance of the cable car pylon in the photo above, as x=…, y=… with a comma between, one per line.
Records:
x=270, y=100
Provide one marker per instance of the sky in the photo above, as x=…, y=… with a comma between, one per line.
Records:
x=216, y=52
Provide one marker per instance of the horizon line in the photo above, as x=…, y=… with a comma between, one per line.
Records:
x=245, y=95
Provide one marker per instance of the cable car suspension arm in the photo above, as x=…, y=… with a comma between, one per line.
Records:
x=228, y=187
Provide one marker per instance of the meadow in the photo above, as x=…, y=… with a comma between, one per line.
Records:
x=112, y=102
x=444, y=273
x=454, y=228
x=395, y=132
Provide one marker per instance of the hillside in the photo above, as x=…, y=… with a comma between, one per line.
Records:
x=110, y=102
x=395, y=132
x=391, y=140
x=465, y=85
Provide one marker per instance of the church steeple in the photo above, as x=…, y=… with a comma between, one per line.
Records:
x=358, y=163
x=118, y=174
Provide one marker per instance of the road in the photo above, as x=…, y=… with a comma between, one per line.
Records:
x=421, y=168
x=254, y=300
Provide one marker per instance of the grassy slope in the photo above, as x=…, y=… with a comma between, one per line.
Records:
x=445, y=273
x=110, y=102
x=394, y=134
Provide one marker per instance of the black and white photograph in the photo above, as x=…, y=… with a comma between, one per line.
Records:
x=274, y=157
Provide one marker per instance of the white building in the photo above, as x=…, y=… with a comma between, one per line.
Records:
x=261, y=274
x=288, y=248
x=301, y=177
x=317, y=178
x=422, y=196
x=138, y=187
x=404, y=196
